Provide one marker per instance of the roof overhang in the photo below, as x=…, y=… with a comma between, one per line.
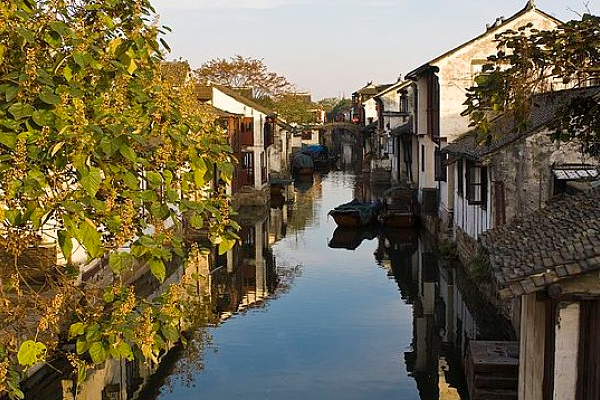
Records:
x=422, y=70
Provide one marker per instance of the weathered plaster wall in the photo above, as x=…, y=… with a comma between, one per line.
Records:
x=525, y=169
x=457, y=72
x=531, y=348
x=370, y=107
x=566, y=351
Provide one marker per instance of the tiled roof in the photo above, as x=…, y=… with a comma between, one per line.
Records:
x=543, y=110
x=559, y=241
x=406, y=127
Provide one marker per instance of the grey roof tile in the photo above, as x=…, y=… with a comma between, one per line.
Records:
x=506, y=132
x=515, y=249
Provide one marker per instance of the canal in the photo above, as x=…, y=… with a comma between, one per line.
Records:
x=323, y=313
x=304, y=310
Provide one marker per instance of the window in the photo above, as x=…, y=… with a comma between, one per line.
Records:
x=248, y=125
x=422, y=158
x=269, y=132
x=403, y=102
x=248, y=163
x=440, y=165
x=460, y=177
x=477, y=185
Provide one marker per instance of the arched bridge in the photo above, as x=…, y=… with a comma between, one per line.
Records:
x=348, y=126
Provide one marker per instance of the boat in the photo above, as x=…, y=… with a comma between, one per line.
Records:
x=400, y=209
x=322, y=158
x=355, y=214
x=302, y=164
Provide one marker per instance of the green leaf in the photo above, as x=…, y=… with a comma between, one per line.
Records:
x=199, y=179
x=26, y=34
x=31, y=352
x=90, y=238
x=9, y=140
x=81, y=372
x=11, y=93
x=124, y=350
x=159, y=210
x=131, y=181
x=68, y=73
x=91, y=181
x=158, y=269
x=119, y=261
x=170, y=333
x=128, y=153
x=92, y=333
x=44, y=117
x=76, y=329
x=149, y=196
x=81, y=346
x=49, y=98
x=65, y=243
x=225, y=245
x=98, y=352
x=20, y=110
x=154, y=179
x=196, y=221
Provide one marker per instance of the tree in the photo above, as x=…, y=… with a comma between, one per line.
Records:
x=530, y=61
x=292, y=107
x=96, y=149
x=244, y=72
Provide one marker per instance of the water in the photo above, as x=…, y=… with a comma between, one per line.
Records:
x=342, y=331
x=299, y=315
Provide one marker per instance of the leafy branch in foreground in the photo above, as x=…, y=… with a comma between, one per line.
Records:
x=101, y=154
x=530, y=61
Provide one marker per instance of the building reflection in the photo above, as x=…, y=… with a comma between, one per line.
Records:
x=448, y=312
x=244, y=278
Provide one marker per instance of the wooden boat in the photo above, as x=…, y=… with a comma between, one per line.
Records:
x=400, y=208
x=397, y=218
x=355, y=214
x=302, y=164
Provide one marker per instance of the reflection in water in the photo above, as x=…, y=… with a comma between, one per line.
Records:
x=342, y=331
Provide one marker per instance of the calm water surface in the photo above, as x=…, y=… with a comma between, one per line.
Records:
x=343, y=330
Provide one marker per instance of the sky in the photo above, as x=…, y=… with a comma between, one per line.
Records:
x=331, y=48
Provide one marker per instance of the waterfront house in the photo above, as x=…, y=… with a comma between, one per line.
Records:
x=514, y=173
x=441, y=85
x=548, y=262
x=395, y=109
x=257, y=135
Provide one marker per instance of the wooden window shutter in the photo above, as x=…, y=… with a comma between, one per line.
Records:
x=433, y=107
x=499, y=203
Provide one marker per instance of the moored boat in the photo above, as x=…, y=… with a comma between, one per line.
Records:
x=302, y=164
x=355, y=214
x=400, y=209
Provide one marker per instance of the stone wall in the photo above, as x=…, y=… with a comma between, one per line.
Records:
x=247, y=196
x=466, y=247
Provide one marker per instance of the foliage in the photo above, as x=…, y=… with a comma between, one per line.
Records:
x=244, y=72
x=293, y=108
x=334, y=106
x=101, y=152
x=530, y=61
